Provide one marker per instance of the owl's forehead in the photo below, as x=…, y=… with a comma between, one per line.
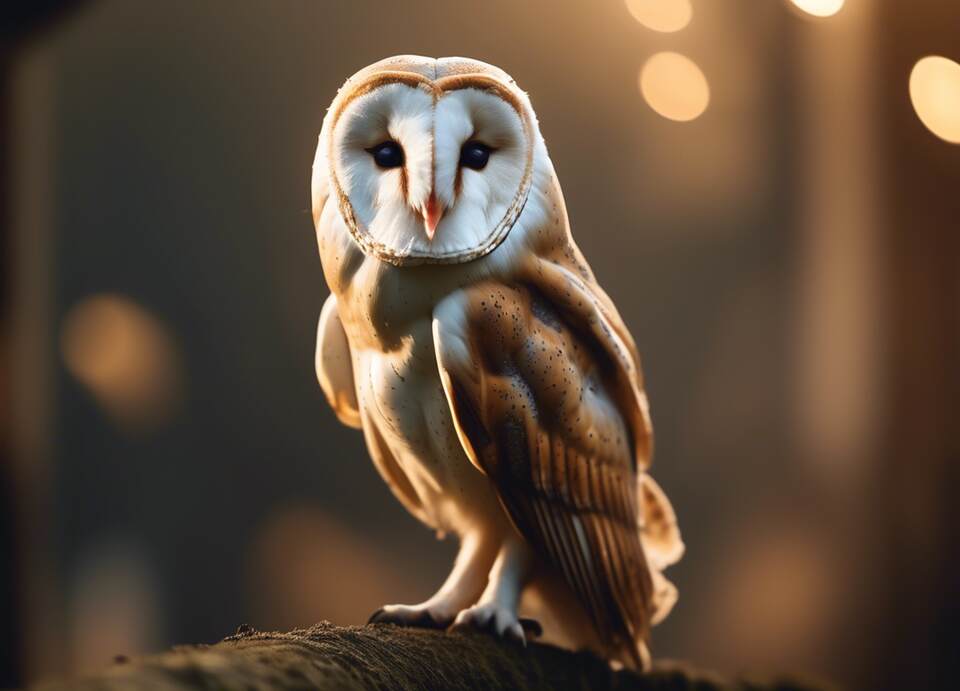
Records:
x=435, y=78
x=432, y=69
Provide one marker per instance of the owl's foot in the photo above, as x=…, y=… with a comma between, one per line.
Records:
x=497, y=619
x=462, y=587
x=417, y=616
x=497, y=609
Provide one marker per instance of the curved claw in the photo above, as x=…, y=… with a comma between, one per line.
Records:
x=498, y=621
x=531, y=627
x=514, y=632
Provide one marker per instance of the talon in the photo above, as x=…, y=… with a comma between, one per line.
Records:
x=531, y=627
x=515, y=632
x=498, y=621
x=461, y=623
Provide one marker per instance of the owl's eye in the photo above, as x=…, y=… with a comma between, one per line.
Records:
x=388, y=154
x=475, y=155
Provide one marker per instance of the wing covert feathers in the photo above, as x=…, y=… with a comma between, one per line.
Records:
x=546, y=399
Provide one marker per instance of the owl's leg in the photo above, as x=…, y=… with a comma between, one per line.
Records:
x=461, y=589
x=496, y=611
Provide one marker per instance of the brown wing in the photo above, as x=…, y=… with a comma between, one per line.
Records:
x=541, y=399
x=567, y=284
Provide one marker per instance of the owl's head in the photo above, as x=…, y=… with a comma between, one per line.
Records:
x=428, y=160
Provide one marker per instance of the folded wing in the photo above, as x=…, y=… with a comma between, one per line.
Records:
x=546, y=399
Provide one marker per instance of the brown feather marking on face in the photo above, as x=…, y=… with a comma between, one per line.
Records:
x=404, y=182
x=458, y=178
x=351, y=92
x=483, y=82
x=433, y=137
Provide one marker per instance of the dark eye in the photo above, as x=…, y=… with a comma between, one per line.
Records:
x=388, y=154
x=475, y=155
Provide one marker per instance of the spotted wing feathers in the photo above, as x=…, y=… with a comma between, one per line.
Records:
x=542, y=405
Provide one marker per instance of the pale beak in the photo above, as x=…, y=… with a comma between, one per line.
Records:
x=432, y=213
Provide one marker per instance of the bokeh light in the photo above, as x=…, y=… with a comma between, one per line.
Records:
x=776, y=595
x=935, y=94
x=661, y=15
x=819, y=8
x=125, y=356
x=674, y=86
x=297, y=564
x=114, y=606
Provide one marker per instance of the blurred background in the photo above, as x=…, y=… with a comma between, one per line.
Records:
x=770, y=191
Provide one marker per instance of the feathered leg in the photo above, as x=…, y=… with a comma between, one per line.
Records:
x=496, y=611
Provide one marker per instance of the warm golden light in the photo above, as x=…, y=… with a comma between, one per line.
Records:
x=297, y=561
x=674, y=86
x=124, y=355
x=661, y=15
x=819, y=8
x=113, y=605
x=935, y=94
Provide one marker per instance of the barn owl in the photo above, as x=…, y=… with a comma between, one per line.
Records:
x=498, y=390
